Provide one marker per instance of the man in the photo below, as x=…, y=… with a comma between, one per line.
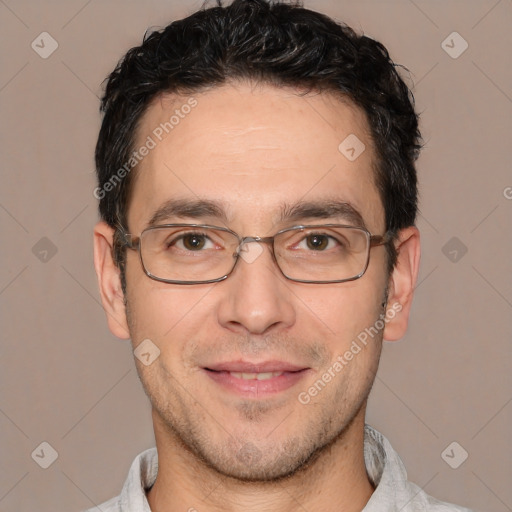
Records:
x=258, y=196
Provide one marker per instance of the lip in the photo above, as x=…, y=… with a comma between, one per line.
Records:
x=251, y=367
x=254, y=388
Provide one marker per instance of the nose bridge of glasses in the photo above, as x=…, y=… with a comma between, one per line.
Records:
x=251, y=239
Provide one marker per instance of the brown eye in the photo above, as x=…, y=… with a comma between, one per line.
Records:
x=317, y=242
x=193, y=242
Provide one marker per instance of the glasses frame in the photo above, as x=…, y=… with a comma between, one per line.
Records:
x=134, y=242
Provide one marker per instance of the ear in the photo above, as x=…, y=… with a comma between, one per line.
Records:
x=402, y=283
x=109, y=281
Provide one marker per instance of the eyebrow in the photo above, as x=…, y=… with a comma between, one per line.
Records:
x=195, y=209
x=326, y=208
x=199, y=208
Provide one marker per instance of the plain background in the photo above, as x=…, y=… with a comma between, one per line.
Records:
x=67, y=381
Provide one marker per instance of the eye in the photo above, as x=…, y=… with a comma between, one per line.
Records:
x=318, y=242
x=192, y=242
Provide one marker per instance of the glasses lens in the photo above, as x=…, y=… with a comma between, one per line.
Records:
x=321, y=253
x=185, y=253
x=188, y=253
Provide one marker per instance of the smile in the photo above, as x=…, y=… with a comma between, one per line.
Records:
x=257, y=376
x=256, y=384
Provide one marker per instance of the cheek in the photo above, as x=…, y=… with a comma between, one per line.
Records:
x=342, y=310
x=169, y=315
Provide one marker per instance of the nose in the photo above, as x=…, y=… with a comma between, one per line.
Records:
x=256, y=297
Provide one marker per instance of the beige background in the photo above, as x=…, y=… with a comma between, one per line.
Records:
x=67, y=381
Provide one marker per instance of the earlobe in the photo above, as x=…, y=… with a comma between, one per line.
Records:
x=109, y=281
x=402, y=283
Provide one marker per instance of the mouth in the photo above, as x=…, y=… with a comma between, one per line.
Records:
x=256, y=380
x=257, y=376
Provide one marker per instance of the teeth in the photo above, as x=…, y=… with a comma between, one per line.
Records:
x=255, y=376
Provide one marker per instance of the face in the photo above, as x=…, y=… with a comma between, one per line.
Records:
x=253, y=150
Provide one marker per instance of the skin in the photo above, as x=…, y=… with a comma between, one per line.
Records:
x=253, y=148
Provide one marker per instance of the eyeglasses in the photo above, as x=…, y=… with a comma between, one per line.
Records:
x=200, y=253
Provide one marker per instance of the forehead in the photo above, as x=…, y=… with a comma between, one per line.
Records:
x=253, y=149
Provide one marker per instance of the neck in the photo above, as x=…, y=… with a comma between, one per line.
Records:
x=336, y=480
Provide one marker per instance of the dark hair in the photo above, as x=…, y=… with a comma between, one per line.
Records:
x=276, y=43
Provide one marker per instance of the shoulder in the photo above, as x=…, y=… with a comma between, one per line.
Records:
x=422, y=502
x=141, y=476
x=393, y=490
x=112, y=505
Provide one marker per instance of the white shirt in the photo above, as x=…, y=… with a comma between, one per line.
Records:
x=393, y=492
